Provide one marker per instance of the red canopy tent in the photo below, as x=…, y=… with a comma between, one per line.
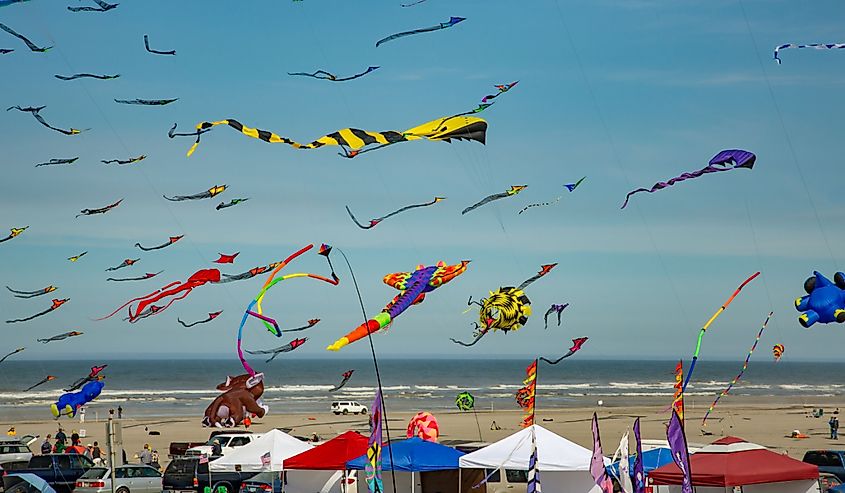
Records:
x=732, y=461
x=332, y=455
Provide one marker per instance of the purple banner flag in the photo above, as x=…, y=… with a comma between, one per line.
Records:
x=597, y=469
x=680, y=453
x=639, y=474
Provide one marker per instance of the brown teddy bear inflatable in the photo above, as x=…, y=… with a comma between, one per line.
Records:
x=241, y=396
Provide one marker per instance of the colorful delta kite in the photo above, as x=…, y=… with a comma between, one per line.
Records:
x=177, y=290
x=281, y=349
x=35, y=112
x=211, y=316
x=817, y=46
x=146, y=102
x=44, y=380
x=122, y=162
x=54, y=306
x=29, y=44
x=231, y=203
x=345, y=378
x=374, y=222
x=525, y=396
x=706, y=325
x=322, y=74
x=77, y=257
x=727, y=160
x=170, y=241
x=352, y=140
x=126, y=263
x=515, y=189
x=16, y=351
x=60, y=337
x=554, y=309
x=465, y=401
x=423, y=425
x=413, y=287
x=741, y=372
x=825, y=300
x=14, y=233
x=255, y=271
x=68, y=404
x=506, y=309
x=443, y=25
x=148, y=275
x=569, y=186
x=577, y=343
x=54, y=162
x=156, y=52
x=211, y=192
x=226, y=259
x=503, y=88
x=32, y=294
x=254, y=308
x=101, y=210
x=86, y=75
x=777, y=351
x=92, y=376
x=103, y=7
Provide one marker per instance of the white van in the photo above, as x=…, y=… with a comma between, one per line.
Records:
x=346, y=407
x=506, y=481
x=228, y=443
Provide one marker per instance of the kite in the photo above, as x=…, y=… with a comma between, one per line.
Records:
x=170, y=241
x=311, y=322
x=31, y=294
x=352, y=140
x=569, y=186
x=126, y=263
x=231, y=203
x=92, y=375
x=576, y=346
x=35, y=113
x=148, y=312
x=465, y=401
x=777, y=351
x=678, y=396
x=211, y=192
x=413, y=287
x=226, y=259
x=254, y=308
x=825, y=300
x=148, y=275
x=552, y=309
x=104, y=7
x=29, y=44
x=211, y=316
x=515, y=189
x=69, y=403
x=739, y=375
x=156, y=52
x=281, y=349
x=14, y=232
x=374, y=222
x=503, y=88
x=121, y=162
x=146, y=102
x=58, y=161
x=77, y=257
x=443, y=25
x=4, y=51
x=40, y=382
x=726, y=160
x=248, y=274
x=346, y=376
x=322, y=74
x=101, y=210
x=817, y=46
x=706, y=325
x=16, y=351
x=60, y=337
x=178, y=290
x=412, y=3
x=86, y=75
x=423, y=425
x=55, y=305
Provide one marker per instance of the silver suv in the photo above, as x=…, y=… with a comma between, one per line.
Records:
x=16, y=449
x=346, y=407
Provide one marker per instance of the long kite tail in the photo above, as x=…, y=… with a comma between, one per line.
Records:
x=372, y=224
x=540, y=204
x=557, y=360
x=741, y=372
x=546, y=318
x=192, y=323
x=30, y=317
x=474, y=341
x=714, y=317
x=484, y=201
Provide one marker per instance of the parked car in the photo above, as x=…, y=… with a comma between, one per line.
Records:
x=346, y=407
x=16, y=449
x=506, y=480
x=178, y=449
x=188, y=475
x=263, y=482
x=129, y=478
x=829, y=461
x=228, y=443
x=828, y=482
x=59, y=470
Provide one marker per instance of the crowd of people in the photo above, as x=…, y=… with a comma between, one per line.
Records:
x=60, y=444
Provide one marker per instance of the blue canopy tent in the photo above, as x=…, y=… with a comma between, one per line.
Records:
x=652, y=459
x=416, y=455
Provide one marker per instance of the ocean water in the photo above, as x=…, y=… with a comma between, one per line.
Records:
x=185, y=387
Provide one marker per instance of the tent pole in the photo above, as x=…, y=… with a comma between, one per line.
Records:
x=412, y=482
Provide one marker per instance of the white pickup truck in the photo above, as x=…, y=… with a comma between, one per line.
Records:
x=228, y=443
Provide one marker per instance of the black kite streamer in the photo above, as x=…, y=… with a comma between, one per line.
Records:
x=374, y=222
x=170, y=241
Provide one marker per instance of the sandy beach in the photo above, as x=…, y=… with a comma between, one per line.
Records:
x=765, y=421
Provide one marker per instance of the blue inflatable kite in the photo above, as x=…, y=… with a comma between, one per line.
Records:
x=825, y=300
x=69, y=403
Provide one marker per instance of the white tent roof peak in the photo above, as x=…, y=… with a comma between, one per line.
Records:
x=280, y=445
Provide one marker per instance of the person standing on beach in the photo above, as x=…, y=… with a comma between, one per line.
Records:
x=119, y=412
x=96, y=453
x=46, y=447
x=835, y=428
x=146, y=456
x=830, y=423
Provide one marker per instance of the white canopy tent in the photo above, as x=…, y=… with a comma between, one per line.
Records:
x=564, y=465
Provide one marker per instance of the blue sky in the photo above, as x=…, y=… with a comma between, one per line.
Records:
x=625, y=92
